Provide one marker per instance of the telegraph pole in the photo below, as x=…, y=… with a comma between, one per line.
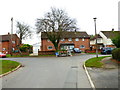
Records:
x=11, y=35
x=96, y=38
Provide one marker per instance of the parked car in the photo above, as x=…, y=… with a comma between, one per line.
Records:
x=77, y=50
x=107, y=50
x=2, y=55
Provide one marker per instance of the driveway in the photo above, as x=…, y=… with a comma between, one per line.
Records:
x=49, y=72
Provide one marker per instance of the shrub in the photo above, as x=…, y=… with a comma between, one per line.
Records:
x=116, y=54
x=116, y=41
x=25, y=48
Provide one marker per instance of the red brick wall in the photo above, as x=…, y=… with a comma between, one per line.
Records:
x=77, y=44
x=46, y=52
x=92, y=51
x=45, y=45
x=86, y=43
x=6, y=45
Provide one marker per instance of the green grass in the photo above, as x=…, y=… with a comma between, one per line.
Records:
x=95, y=62
x=7, y=65
x=8, y=55
x=92, y=53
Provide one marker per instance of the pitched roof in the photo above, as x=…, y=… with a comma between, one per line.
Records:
x=70, y=35
x=7, y=37
x=110, y=34
x=93, y=37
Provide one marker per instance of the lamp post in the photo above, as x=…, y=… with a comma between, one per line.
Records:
x=96, y=38
x=11, y=34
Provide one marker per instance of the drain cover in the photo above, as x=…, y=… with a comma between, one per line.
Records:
x=74, y=66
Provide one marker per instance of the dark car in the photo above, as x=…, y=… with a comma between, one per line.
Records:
x=107, y=50
x=77, y=50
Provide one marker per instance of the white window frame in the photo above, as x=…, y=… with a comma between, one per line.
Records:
x=3, y=49
x=13, y=49
x=83, y=39
x=48, y=40
x=63, y=39
x=77, y=39
x=81, y=46
x=69, y=39
x=13, y=42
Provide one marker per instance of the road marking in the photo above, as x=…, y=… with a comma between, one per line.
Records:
x=89, y=78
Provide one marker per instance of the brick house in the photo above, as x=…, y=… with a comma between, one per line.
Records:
x=71, y=40
x=104, y=39
x=7, y=45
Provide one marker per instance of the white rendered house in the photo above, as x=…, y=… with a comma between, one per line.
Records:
x=104, y=39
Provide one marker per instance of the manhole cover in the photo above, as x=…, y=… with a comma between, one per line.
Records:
x=74, y=67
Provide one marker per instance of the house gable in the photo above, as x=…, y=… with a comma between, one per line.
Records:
x=108, y=35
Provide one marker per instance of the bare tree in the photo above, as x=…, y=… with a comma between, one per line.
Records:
x=23, y=30
x=55, y=23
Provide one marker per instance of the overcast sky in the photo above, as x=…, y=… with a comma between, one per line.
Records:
x=83, y=11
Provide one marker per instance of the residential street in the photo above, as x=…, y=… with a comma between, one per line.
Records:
x=49, y=72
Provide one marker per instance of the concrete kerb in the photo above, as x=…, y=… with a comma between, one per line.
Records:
x=89, y=77
x=11, y=71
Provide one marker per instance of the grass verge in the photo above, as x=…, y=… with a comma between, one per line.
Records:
x=8, y=55
x=95, y=62
x=92, y=53
x=7, y=65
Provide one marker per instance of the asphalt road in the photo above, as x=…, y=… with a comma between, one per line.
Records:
x=48, y=72
x=105, y=78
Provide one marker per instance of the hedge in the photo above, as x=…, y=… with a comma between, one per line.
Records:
x=116, y=54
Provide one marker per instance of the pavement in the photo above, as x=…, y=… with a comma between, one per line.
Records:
x=106, y=77
x=48, y=72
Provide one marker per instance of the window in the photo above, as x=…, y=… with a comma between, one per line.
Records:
x=48, y=40
x=13, y=42
x=63, y=39
x=49, y=47
x=70, y=39
x=83, y=39
x=3, y=49
x=77, y=39
x=13, y=49
x=82, y=46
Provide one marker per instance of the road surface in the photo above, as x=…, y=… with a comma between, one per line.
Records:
x=48, y=72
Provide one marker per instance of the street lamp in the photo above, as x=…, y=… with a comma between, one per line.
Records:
x=96, y=38
x=11, y=34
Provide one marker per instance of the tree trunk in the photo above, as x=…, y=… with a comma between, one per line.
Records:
x=20, y=38
x=55, y=45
